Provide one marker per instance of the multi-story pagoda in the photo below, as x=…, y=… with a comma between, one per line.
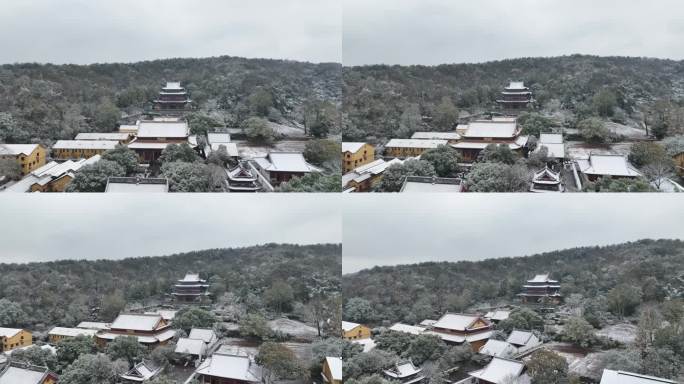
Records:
x=173, y=99
x=190, y=289
x=242, y=179
x=541, y=290
x=515, y=96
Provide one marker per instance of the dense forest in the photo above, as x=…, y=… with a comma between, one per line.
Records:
x=40, y=295
x=649, y=270
x=45, y=102
x=383, y=101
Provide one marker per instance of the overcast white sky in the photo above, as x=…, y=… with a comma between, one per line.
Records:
x=407, y=229
x=87, y=31
x=115, y=226
x=455, y=31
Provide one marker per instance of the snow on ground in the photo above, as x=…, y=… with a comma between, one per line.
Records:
x=293, y=328
x=581, y=150
x=580, y=361
x=249, y=151
x=303, y=351
x=287, y=130
x=626, y=130
x=623, y=333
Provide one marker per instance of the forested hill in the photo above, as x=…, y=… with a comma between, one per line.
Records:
x=47, y=102
x=650, y=269
x=64, y=292
x=387, y=101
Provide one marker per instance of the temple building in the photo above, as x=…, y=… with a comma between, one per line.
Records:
x=614, y=166
x=405, y=373
x=411, y=147
x=332, y=370
x=81, y=149
x=355, y=155
x=150, y=330
x=13, y=338
x=153, y=136
x=546, y=180
x=501, y=371
x=172, y=100
x=541, y=290
x=478, y=134
x=23, y=373
x=498, y=348
x=191, y=289
x=515, y=97
x=57, y=334
x=354, y=331
x=217, y=140
x=228, y=368
x=554, y=144
x=51, y=177
x=281, y=167
x=456, y=328
x=243, y=179
x=523, y=341
x=28, y=156
x=142, y=372
x=367, y=176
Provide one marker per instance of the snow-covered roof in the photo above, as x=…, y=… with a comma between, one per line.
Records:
x=72, y=332
x=230, y=367
x=137, y=322
x=607, y=165
x=542, y=278
x=152, y=129
x=17, y=149
x=436, y=135
x=191, y=278
x=415, y=143
x=516, y=85
x=136, y=185
x=215, y=137
x=491, y=129
x=18, y=375
x=285, y=162
x=368, y=344
x=352, y=147
x=620, y=377
x=9, y=332
x=191, y=346
x=412, y=329
x=206, y=335
x=348, y=325
x=118, y=136
x=231, y=148
x=164, y=313
x=365, y=171
x=520, y=337
x=497, y=348
x=499, y=369
x=456, y=321
x=141, y=145
x=498, y=315
x=550, y=138
x=173, y=85
x=141, y=372
x=85, y=144
x=546, y=173
x=93, y=325
x=556, y=151
x=451, y=338
x=426, y=184
x=428, y=322
x=335, y=365
x=401, y=370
